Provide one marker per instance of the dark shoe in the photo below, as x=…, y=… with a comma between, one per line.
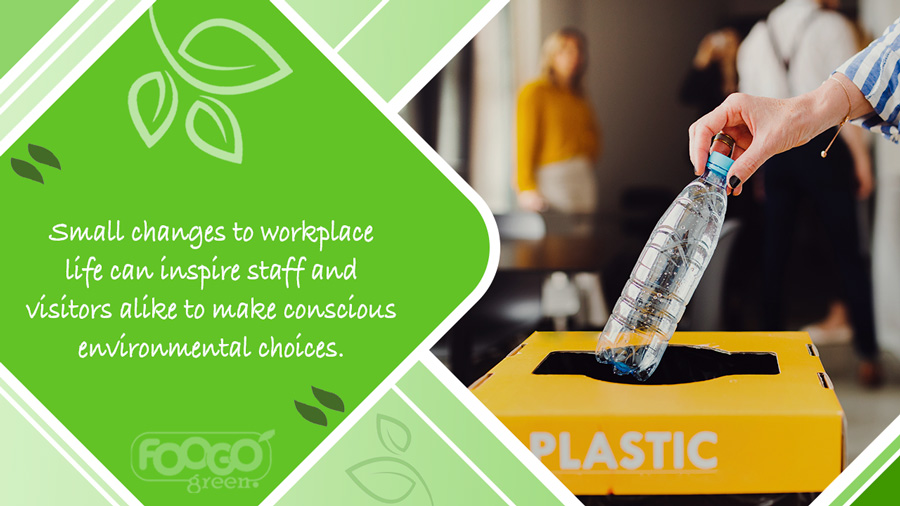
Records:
x=870, y=374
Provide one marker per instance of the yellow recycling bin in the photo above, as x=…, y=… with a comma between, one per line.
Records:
x=725, y=413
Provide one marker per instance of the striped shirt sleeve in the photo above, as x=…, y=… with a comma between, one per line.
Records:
x=875, y=71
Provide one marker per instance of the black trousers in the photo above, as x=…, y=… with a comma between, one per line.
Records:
x=830, y=185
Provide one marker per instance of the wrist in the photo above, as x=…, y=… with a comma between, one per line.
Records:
x=822, y=108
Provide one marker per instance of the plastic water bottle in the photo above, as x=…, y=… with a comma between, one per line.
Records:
x=667, y=273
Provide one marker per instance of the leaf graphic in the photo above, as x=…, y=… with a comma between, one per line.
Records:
x=265, y=436
x=328, y=399
x=206, y=105
x=43, y=155
x=312, y=414
x=26, y=170
x=134, y=96
x=258, y=65
x=388, y=480
x=394, y=435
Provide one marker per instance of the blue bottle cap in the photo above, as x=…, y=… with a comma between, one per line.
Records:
x=719, y=163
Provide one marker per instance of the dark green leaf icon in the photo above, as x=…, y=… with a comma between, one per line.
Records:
x=388, y=480
x=26, y=170
x=328, y=399
x=265, y=436
x=312, y=414
x=43, y=155
x=394, y=435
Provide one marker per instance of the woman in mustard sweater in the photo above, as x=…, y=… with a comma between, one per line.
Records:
x=558, y=141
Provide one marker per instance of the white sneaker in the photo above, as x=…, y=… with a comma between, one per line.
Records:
x=829, y=335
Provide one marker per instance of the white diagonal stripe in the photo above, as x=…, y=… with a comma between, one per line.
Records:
x=74, y=74
x=859, y=465
x=440, y=60
x=874, y=477
x=500, y=431
x=49, y=38
x=64, y=435
x=437, y=430
x=360, y=25
x=55, y=56
x=56, y=446
x=444, y=326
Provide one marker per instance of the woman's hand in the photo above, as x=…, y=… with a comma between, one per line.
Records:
x=532, y=200
x=763, y=127
x=865, y=179
x=858, y=144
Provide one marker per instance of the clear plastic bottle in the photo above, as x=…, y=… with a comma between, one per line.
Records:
x=667, y=273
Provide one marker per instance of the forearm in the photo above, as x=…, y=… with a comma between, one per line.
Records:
x=831, y=103
x=527, y=125
x=525, y=178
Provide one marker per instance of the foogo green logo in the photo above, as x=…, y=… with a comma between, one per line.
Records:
x=203, y=460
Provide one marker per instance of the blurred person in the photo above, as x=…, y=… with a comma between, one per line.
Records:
x=711, y=77
x=862, y=89
x=788, y=54
x=558, y=140
x=713, y=73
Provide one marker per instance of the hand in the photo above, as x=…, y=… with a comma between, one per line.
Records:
x=763, y=127
x=720, y=45
x=865, y=179
x=532, y=200
x=857, y=142
x=705, y=51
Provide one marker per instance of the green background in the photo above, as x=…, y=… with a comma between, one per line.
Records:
x=23, y=26
x=314, y=149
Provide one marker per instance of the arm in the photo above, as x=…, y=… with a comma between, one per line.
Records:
x=763, y=127
x=526, y=140
x=862, y=159
x=595, y=138
x=834, y=43
x=706, y=51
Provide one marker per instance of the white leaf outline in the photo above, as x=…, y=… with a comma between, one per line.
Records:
x=183, y=52
x=152, y=138
x=357, y=478
x=200, y=105
x=384, y=424
x=283, y=68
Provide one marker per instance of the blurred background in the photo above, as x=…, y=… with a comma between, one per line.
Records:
x=644, y=85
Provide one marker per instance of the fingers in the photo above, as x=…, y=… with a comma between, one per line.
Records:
x=744, y=167
x=700, y=134
x=734, y=186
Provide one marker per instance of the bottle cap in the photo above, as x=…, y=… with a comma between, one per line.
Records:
x=719, y=163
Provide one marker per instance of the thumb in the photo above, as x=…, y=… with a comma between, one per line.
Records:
x=744, y=167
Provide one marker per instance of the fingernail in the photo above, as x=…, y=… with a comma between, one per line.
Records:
x=734, y=182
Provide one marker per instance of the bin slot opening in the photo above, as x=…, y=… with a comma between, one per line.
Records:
x=480, y=380
x=680, y=364
x=812, y=350
x=823, y=379
x=516, y=350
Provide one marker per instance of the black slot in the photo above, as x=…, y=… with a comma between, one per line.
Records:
x=680, y=364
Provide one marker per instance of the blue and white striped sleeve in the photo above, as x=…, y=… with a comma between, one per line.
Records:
x=875, y=71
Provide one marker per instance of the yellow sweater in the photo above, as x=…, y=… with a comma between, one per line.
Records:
x=552, y=124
